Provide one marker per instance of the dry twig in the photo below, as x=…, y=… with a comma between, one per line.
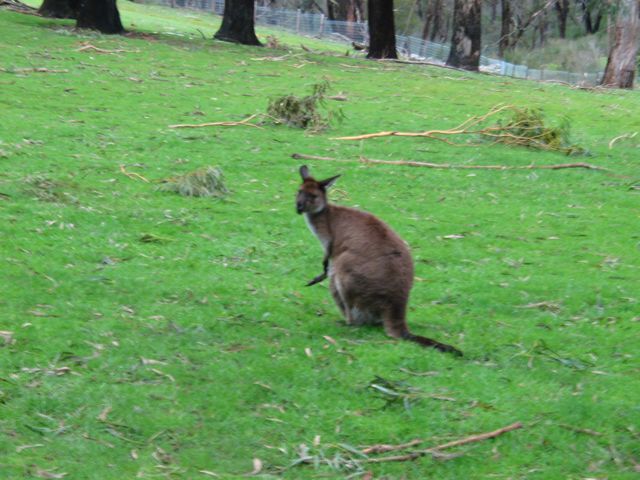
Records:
x=448, y=166
x=383, y=448
x=586, y=431
x=436, y=451
x=133, y=175
x=245, y=122
x=87, y=46
x=620, y=137
x=32, y=69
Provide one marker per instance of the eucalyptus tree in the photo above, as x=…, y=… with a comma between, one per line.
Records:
x=238, y=23
x=467, y=33
x=382, y=30
x=620, y=71
x=101, y=15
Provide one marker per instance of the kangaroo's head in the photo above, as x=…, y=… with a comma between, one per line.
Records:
x=312, y=195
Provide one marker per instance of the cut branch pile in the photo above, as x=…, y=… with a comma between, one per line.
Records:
x=525, y=127
x=449, y=166
x=304, y=112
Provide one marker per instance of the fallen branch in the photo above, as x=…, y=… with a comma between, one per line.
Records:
x=620, y=137
x=133, y=175
x=478, y=438
x=463, y=128
x=436, y=451
x=526, y=128
x=448, y=166
x=586, y=431
x=32, y=69
x=383, y=448
x=87, y=46
x=245, y=122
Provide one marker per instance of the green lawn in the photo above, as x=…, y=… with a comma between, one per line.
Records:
x=152, y=335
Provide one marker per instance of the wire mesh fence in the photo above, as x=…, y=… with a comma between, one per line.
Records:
x=414, y=48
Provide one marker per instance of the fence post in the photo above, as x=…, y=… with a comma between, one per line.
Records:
x=321, y=24
x=298, y=21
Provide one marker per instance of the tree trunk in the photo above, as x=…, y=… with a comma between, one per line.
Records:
x=101, y=15
x=542, y=29
x=590, y=25
x=59, y=8
x=467, y=31
x=432, y=20
x=621, y=64
x=562, y=7
x=238, y=23
x=506, y=28
x=382, y=30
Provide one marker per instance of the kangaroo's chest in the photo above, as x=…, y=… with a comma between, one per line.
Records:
x=320, y=231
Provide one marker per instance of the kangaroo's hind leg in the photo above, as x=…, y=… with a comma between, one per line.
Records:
x=336, y=295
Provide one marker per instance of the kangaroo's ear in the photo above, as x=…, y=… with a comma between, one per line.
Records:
x=304, y=172
x=328, y=183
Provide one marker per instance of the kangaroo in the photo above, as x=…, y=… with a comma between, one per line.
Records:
x=369, y=266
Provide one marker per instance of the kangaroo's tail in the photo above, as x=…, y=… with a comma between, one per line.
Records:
x=429, y=343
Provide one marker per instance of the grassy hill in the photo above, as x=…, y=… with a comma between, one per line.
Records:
x=147, y=334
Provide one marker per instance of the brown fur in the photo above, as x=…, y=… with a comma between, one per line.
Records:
x=369, y=266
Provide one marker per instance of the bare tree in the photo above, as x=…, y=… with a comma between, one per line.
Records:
x=621, y=66
x=467, y=31
x=238, y=23
x=382, y=30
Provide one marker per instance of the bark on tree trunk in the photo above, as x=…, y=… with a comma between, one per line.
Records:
x=238, y=23
x=59, y=8
x=621, y=64
x=562, y=7
x=382, y=30
x=467, y=31
x=101, y=15
x=505, y=29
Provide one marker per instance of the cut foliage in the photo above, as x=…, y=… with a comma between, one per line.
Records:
x=204, y=182
x=304, y=112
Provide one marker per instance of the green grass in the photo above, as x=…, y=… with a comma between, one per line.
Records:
x=160, y=335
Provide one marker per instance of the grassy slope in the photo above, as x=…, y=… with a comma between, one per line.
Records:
x=220, y=300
